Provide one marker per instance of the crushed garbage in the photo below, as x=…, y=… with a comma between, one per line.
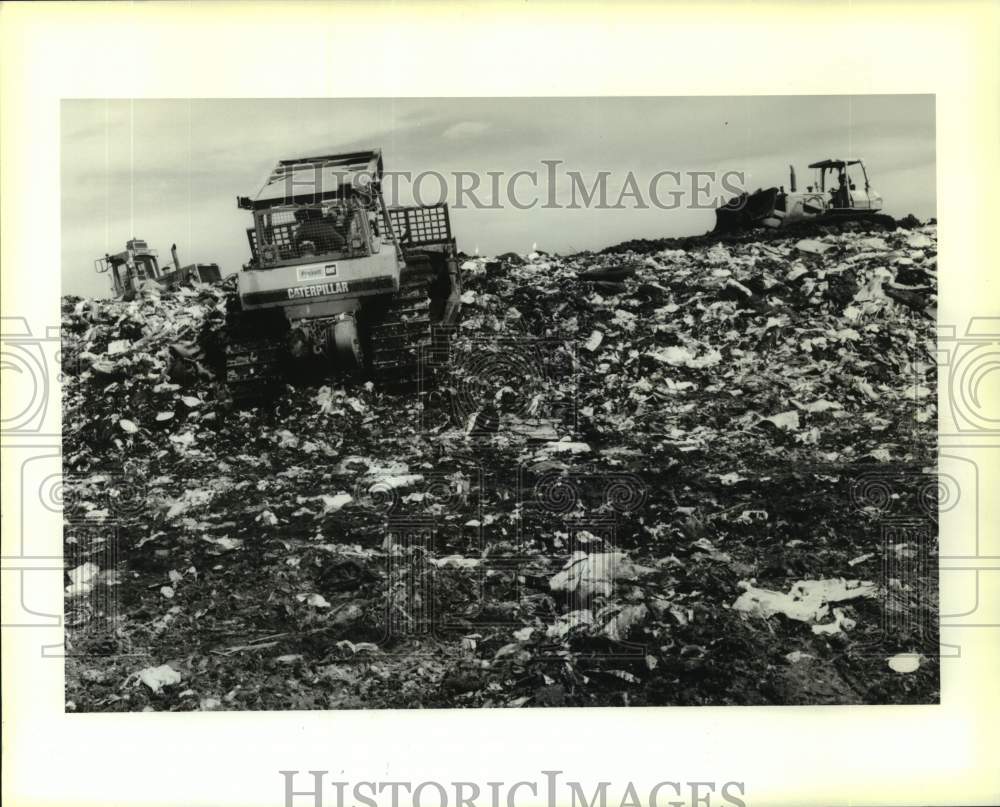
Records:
x=807, y=601
x=158, y=677
x=595, y=573
x=618, y=442
x=904, y=663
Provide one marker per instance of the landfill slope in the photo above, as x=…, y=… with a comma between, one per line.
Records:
x=664, y=476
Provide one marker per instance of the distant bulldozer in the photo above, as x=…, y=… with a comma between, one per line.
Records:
x=138, y=265
x=835, y=195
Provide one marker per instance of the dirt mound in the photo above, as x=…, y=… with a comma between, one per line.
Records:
x=802, y=229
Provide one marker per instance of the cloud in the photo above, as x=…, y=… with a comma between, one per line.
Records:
x=465, y=128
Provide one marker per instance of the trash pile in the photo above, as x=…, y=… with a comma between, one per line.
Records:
x=777, y=344
x=145, y=364
x=623, y=463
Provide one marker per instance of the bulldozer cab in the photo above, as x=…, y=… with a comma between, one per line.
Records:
x=844, y=181
x=317, y=208
x=136, y=264
x=289, y=234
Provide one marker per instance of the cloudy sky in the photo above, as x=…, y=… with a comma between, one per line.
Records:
x=169, y=171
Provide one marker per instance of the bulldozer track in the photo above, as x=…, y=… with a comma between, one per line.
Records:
x=254, y=361
x=404, y=335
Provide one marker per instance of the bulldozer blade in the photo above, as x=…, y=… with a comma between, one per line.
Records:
x=745, y=210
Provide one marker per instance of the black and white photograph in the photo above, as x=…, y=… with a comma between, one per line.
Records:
x=499, y=403
x=402, y=403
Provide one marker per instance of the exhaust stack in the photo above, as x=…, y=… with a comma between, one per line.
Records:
x=173, y=254
x=791, y=177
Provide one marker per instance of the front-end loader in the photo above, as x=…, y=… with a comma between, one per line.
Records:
x=137, y=267
x=337, y=279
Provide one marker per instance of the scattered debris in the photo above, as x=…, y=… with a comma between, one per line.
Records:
x=595, y=574
x=158, y=677
x=904, y=663
x=807, y=601
x=640, y=430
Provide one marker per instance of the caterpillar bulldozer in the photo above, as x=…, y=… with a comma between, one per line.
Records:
x=841, y=191
x=339, y=281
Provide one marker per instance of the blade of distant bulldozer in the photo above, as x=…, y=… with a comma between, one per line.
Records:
x=745, y=210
